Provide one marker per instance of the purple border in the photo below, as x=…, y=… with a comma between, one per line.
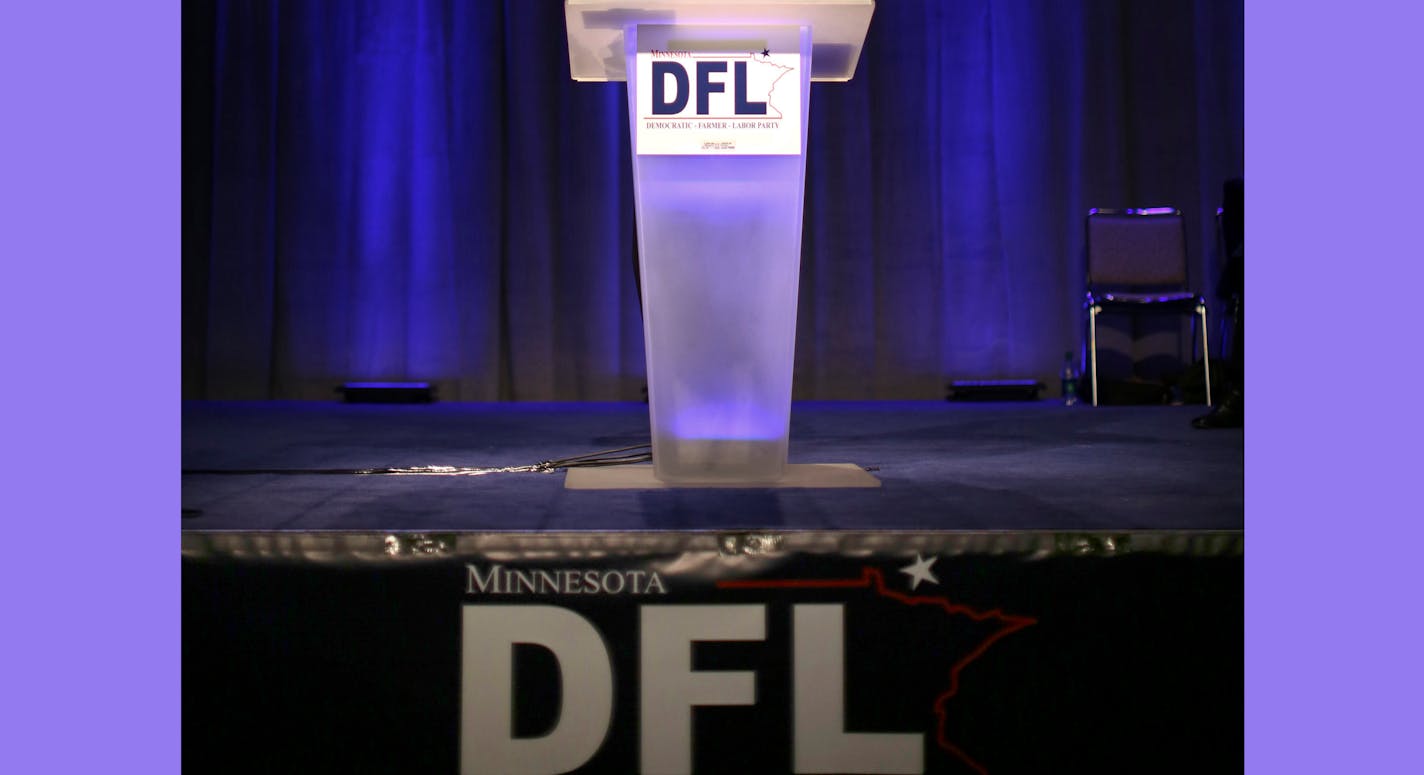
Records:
x=1332, y=580
x=89, y=202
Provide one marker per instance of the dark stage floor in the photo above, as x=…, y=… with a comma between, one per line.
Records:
x=1010, y=466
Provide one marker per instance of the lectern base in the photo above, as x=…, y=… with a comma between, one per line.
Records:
x=797, y=475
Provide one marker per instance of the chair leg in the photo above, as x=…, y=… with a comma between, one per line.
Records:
x=1206, y=358
x=1093, y=348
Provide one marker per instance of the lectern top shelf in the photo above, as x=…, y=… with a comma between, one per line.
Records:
x=596, y=27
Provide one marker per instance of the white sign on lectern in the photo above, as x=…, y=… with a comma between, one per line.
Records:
x=732, y=103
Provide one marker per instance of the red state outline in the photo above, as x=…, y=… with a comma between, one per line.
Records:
x=872, y=577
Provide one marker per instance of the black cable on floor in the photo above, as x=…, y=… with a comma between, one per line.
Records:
x=607, y=457
x=601, y=459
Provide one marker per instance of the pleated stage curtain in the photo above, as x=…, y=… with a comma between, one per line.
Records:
x=416, y=190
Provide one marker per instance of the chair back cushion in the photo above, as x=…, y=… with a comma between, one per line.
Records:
x=1132, y=249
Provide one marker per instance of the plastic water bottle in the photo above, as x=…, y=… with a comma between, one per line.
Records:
x=1070, y=380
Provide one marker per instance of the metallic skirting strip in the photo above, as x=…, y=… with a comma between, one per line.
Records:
x=343, y=547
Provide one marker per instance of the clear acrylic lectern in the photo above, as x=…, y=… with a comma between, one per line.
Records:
x=718, y=105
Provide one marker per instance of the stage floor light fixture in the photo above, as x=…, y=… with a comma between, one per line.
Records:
x=387, y=392
x=994, y=390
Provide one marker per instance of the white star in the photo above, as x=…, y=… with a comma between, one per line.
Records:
x=919, y=570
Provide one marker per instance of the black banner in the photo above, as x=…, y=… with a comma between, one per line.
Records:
x=813, y=652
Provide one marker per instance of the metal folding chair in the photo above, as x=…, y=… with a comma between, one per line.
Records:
x=1137, y=262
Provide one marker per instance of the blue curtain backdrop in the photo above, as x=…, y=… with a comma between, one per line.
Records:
x=416, y=190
